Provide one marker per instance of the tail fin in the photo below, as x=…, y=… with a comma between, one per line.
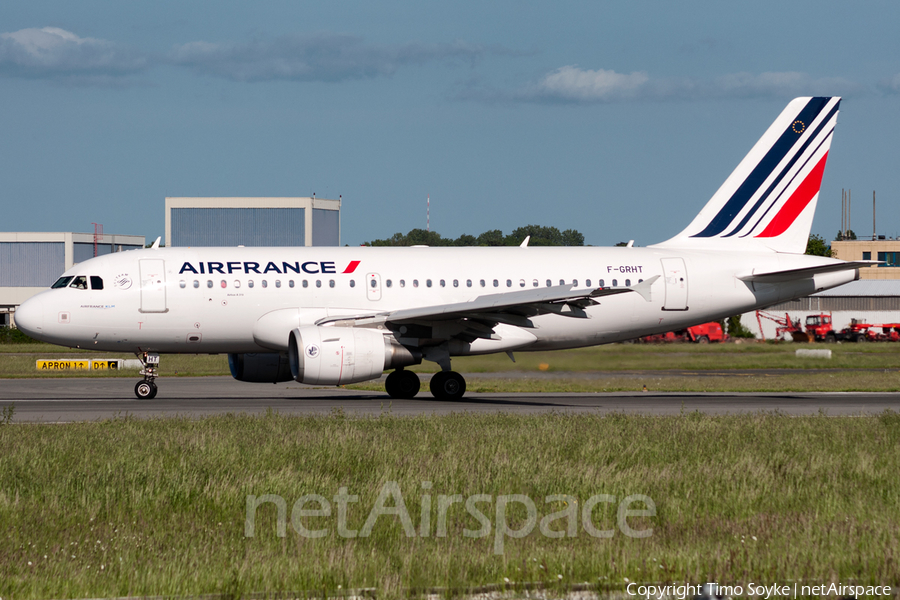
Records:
x=769, y=200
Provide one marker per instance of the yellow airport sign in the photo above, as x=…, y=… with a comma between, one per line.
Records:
x=63, y=365
x=78, y=365
x=104, y=365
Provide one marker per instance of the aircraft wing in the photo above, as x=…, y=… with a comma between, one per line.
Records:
x=794, y=274
x=507, y=307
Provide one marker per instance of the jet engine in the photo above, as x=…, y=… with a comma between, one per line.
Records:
x=339, y=355
x=265, y=367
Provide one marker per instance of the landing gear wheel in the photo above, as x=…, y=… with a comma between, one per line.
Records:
x=402, y=385
x=145, y=390
x=448, y=385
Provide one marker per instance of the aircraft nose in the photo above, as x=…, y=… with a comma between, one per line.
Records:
x=29, y=317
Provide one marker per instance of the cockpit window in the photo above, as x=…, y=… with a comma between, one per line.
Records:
x=96, y=282
x=79, y=283
x=61, y=282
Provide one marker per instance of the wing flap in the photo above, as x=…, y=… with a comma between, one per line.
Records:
x=564, y=300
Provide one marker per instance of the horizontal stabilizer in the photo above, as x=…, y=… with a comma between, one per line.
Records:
x=795, y=274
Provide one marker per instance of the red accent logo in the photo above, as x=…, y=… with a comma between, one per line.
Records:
x=352, y=266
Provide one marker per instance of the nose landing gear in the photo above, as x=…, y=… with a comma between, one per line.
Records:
x=146, y=389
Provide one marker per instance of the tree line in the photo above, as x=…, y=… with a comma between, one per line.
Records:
x=540, y=236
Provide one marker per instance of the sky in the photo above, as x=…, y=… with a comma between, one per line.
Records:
x=618, y=119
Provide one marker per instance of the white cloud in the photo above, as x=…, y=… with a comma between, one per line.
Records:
x=583, y=85
x=52, y=52
x=572, y=84
x=890, y=84
x=320, y=57
x=779, y=84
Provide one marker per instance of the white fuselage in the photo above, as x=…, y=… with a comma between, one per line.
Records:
x=213, y=300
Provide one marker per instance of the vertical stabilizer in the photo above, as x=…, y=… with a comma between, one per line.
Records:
x=769, y=200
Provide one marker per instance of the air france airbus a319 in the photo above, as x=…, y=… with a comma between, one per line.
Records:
x=332, y=316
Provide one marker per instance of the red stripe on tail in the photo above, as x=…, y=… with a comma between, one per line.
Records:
x=797, y=202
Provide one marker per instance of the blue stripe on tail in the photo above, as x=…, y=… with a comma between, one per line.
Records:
x=758, y=176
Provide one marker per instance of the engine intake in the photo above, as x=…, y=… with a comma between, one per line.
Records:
x=339, y=355
x=264, y=367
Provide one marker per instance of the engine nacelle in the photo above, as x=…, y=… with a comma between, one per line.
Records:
x=264, y=367
x=339, y=355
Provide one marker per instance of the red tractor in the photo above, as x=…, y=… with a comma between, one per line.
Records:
x=705, y=333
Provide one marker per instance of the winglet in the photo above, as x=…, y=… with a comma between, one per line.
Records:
x=524, y=243
x=643, y=288
x=155, y=245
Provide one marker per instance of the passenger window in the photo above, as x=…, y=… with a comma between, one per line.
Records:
x=587, y=282
x=237, y=283
x=615, y=283
x=352, y=283
x=549, y=283
x=265, y=283
x=278, y=283
x=388, y=283
x=521, y=283
x=482, y=283
x=534, y=283
x=443, y=283
x=627, y=282
x=496, y=283
x=318, y=283
x=223, y=284
x=402, y=283
x=456, y=283
x=305, y=283
x=427, y=283
x=575, y=282
x=602, y=283
x=182, y=284
x=196, y=284
x=562, y=282
x=97, y=283
x=79, y=283
x=61, y=283
x=468, y=283
x=373, y=283
x=209, y=283
x=509, y=283
x=415, y=283
x=331, y=283
x=291, y=283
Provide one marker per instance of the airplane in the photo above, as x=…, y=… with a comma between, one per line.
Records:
x=334, y=316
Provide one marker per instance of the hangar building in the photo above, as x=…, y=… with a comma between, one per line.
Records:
x=31, y=262
x=253, y=222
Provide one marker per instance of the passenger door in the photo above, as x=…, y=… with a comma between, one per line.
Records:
x=153, y=285
x=675, y=275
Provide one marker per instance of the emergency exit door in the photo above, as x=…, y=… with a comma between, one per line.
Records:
x=373, y=286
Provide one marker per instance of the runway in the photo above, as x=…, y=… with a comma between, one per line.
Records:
x=87, y=399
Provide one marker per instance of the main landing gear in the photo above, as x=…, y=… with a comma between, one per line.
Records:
x=146, y=389
x=445, y=385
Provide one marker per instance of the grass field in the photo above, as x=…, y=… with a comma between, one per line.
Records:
x=876, y=367
x=158, y=507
